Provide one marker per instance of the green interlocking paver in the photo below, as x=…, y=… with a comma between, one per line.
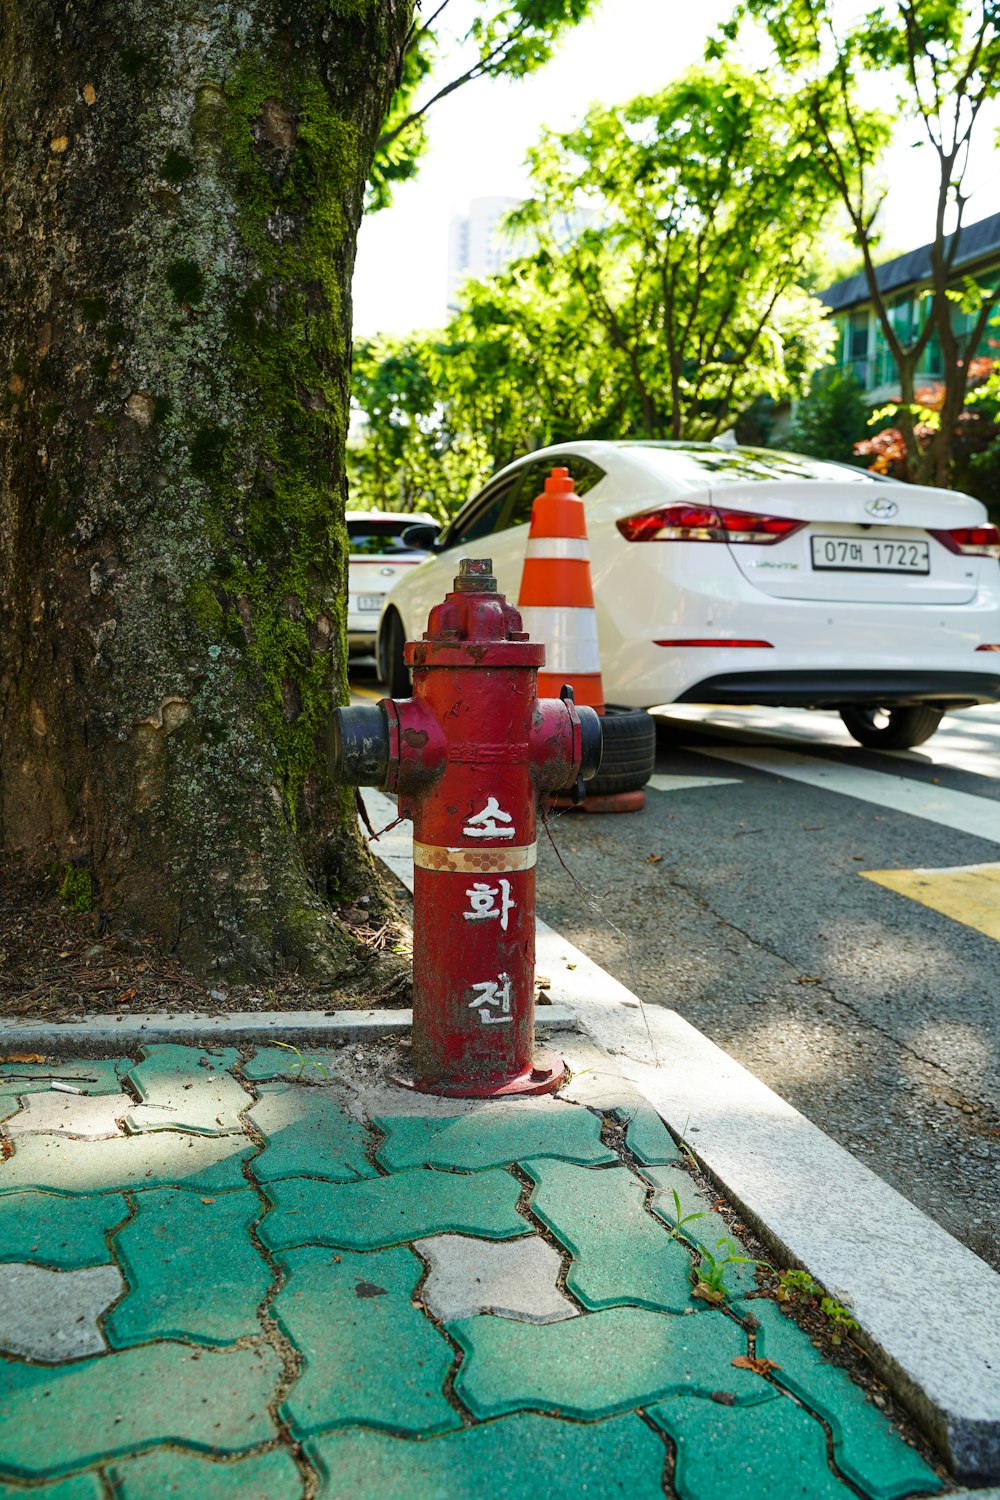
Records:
x=308, y=1132
x=705, y=1231
x=745, y=1453
x=620, y=1253
x=263, y=1476
x=65, y=1234
x=56, y=1420
x=100, y=1076
x=79, y=1487
x=156, y=1159
x=646, y=1136
x=506, y=1460
x=866, y=1446
x=599, y=1364
x=193, y=1271
x=491, y=1137
x=290, y=1063
x=10, y=1104
x=380, y=1211
x=184, y=1088
x=371, y=1357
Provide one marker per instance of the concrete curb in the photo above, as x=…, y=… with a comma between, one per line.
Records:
x=297, y=1028
x=922, y=1299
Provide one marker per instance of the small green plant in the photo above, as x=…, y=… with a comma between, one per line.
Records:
x=709, y=1275
x=76, y=891
x=681, y=1218
x=793, y=1284
x=302, y=1062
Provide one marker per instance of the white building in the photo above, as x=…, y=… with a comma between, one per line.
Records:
x=477, y=243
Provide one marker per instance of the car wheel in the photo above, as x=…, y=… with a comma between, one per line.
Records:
x=392, y=669
x=891, y=728
x=629, y=753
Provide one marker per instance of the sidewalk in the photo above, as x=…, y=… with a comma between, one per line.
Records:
x=271, y=1276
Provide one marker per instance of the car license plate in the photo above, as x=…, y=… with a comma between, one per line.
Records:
x=369, y=601
x=855, y=554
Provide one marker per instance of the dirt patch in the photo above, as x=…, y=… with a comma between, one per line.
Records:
x=59, y=965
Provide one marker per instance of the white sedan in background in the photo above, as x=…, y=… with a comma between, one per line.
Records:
x=378, y=558
x=745, y=575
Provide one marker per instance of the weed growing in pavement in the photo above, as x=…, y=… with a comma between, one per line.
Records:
x=304, y=1062
x=709, y=1274
x=795, y=1284
x=680, y=1218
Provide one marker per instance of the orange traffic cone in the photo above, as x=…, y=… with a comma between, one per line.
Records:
x=556, y=601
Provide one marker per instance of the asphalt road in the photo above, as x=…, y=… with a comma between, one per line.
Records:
x=737, y=897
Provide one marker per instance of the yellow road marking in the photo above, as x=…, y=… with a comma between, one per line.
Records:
x=374, y=695
x=969, y=894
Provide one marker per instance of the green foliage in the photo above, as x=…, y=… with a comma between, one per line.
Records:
x=509, y=38
x=709, y=1276
x=302, y=1062
x=795, y=1285
x=76, y=891
x=830, y=419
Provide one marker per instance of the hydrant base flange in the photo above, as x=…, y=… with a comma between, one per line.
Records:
x=544, y=1076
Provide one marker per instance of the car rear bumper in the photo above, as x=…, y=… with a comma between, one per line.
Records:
x=832, y=689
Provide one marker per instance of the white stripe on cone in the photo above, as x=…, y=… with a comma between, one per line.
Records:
x=569, y=633
x=557, y=548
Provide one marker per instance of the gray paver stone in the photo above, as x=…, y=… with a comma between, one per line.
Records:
x=63, y=1233
x=513, y=1278
x=745, y=1453
x=89, y=1118
x=620, y=1253
x=866, y=1446
x=381, y=1211
x=184, y=1088
x=263, y=1476
x=370, y=1356
x=308, y=1133
x=600, y=1364
x=507, y=1460
x=104, y=1408
x=703, y=1232
x=94, y=1075
x=157, y=1159
x=192, y=1268
x=492, y=1137
x=52, y=1315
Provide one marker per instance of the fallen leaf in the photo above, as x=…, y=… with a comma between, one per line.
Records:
x=23, y=1057
x=758, y=1366
x=208, y=1200
x=124, y=997
x=654, y=859
x=707, y=1293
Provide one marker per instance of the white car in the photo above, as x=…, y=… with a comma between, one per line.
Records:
x=745, y=575
x=378, y=559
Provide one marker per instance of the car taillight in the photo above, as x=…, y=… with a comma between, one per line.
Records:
x=971, y=541
x=705, y=523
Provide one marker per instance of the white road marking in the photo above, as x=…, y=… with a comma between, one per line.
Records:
x=683, y=783
x=958, y=810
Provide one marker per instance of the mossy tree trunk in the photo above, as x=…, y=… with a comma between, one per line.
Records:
x=180, y=192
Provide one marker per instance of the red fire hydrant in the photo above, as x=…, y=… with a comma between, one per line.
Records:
x=469, y=755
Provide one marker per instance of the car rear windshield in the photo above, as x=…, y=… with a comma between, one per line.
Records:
x=736, y=465
x=377, y=538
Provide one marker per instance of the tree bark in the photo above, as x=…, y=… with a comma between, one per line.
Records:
x=181, y=190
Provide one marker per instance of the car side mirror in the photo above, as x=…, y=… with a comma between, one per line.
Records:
x=420, y=537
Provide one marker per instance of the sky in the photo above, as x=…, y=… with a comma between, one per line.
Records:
x=479, y=137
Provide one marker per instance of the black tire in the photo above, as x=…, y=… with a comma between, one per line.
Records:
x=629, y=752
x=891, y=728
x=392, y=669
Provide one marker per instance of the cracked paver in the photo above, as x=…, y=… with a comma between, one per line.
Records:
x=103, y=1408
x=52, y=1315
x=706, y=1230
x=504, y=1460
x=866, y=1446
x=308, y=1132
x=185, y=1088
x=512, y=1278
x=600, y=1364
x=157, y=1159
x=345, y=1313
x=63, y=1233
x=192, y=1268
x=90, y=1118
x=381, y=1211
x=492, y=1136
x=743, y=1453
x=154, y=1476
x=620, y=1253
